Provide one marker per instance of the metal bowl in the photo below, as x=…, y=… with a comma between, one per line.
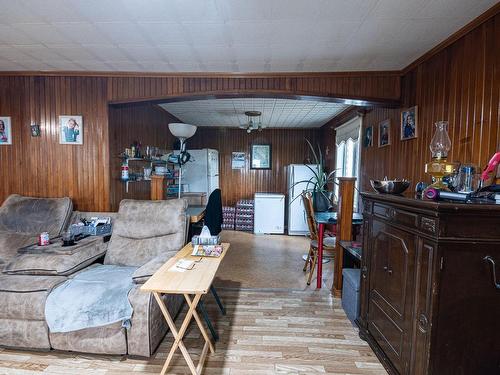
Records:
x=390, y=186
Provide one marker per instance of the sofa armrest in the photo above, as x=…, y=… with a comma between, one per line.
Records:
x=143, y=273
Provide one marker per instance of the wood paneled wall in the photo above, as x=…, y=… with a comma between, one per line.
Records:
x=42, y=167
x=145, y=123
x=288, y=147
x=461, y=84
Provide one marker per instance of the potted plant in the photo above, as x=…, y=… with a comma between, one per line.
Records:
x=318, y=183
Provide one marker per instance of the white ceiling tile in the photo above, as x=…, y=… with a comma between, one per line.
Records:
x=122, y=32
x=141, y=52
x=17, y=11
x=106, y=52
x=83, y=32
x=9, y=35
x=72, y=52
x=101, y=11
x=42, y=33
x=177, y=52
x=163, y=32
x=195, y=10
x=151, y=10
x=230, y=35
x=207, y=33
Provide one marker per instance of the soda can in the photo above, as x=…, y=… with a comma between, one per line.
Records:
x=44, y=239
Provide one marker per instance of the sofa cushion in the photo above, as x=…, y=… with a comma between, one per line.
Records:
x=143, y=273
x=79, y=256
x=144, y=229
x=26, y=284
x=35, y=215
x=28, y=334
x=10, y=242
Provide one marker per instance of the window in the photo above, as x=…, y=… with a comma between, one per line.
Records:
x=347, y=154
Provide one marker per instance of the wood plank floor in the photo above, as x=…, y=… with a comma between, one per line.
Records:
x=264, y=332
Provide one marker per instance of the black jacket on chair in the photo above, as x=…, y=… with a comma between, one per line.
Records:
x=213, y=212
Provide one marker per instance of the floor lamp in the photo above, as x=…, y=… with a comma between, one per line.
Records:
x=182, y=132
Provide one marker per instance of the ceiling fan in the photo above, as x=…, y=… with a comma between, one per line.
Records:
x=253, y=121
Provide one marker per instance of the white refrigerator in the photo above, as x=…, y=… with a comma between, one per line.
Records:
x=297, y=222
x=201, y=172
x=269, y=213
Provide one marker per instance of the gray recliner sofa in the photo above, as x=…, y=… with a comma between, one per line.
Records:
x=145, y=235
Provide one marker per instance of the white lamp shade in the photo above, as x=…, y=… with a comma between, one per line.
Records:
x=181, y=130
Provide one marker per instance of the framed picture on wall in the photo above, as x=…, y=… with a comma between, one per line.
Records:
x=409, y=123
x=368, y=136
x=384, y=133
x=5, y=131
x=71, y=130
x=260, y=157
x=238, y=160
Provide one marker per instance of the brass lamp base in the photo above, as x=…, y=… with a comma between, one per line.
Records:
x=438, y=169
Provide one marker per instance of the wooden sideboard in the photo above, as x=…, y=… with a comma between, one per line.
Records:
x=429, y=304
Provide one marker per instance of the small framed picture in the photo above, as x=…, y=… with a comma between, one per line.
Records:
x=409, y=123
x=71, y=130
x=384, y=133
x=238, y=160
x=260, y=157
x=368, y=137
x=5, y=131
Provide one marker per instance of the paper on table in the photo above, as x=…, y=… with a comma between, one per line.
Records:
x=182, y=265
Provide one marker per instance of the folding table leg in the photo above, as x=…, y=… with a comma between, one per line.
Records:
x=217, y=299
x=178, y=335
x=201, y=305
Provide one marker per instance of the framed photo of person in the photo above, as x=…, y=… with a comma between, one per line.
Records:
x=260, y=157
x=368, y=137
x=384, y=133
x=409, y=123
x=5, y=131
x=71, y=130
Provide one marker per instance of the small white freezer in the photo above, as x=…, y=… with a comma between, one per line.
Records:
x=269, y=213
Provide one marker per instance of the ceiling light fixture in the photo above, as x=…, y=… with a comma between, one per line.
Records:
x=253, y=121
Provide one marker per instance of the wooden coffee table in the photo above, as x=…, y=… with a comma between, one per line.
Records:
x=192, y=284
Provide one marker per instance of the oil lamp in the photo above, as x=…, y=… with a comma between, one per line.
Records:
x=439, y=167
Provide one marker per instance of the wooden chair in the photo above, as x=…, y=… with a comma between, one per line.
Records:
x=328, y=242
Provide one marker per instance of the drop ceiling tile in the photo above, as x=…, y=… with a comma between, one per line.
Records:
x=106, y=52
x=397, y=9
x=55, y=10
x=83, y=32
x=101, y=11
x=195, y=10
x=9, y=35
x=346, y=10
x=214, y=52
x=244, y=10
x=151, y=10
x=124, y=66
x=72, y=52
x=122, y=32
x=11, y=66
x=163, y=32
x=13, y=54
x=177, y=52
x=43, y=33
x=207, y=33
x=17, y=11
x=141, y=52
x=40, y=52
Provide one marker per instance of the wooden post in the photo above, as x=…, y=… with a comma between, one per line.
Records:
x=157, y=187
x=344, y=228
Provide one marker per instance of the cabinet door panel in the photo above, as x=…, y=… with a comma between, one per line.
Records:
x=391, y=285
x=468, y=336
